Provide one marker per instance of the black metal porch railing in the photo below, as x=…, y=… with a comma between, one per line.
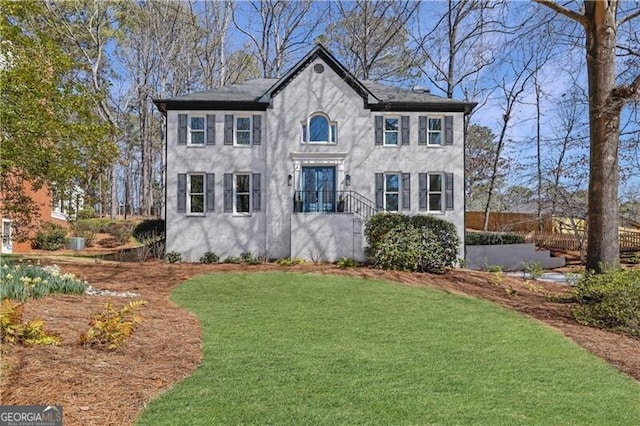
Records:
x=325, y=201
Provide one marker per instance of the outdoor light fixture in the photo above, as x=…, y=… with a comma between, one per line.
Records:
x=347, y=180
x=290, y=180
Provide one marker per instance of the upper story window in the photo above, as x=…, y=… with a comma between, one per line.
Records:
x=434, y=131
x=242, y=130
x=319, y=130
x=196, y=131
x=391, y=127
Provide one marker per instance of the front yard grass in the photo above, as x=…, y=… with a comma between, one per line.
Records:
x=287, y=348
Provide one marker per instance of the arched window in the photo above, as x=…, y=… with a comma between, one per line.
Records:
x=319, y=130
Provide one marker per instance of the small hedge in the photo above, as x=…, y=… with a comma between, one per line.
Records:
x=50, y=236
x=148, y=229
x=411, y=243
x=491, y=239
x=610, y=301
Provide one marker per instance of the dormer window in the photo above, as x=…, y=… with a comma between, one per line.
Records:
x=319, y=130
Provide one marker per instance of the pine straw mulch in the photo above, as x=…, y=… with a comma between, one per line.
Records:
x=99, y=388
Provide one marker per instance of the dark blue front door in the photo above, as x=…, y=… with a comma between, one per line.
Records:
x=318, y=189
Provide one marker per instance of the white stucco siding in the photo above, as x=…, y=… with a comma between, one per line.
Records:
x=224, y=233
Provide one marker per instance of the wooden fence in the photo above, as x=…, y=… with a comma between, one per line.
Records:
x=629, y=240
x=506, y=221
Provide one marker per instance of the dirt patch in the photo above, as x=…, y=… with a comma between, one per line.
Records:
x=99, y=388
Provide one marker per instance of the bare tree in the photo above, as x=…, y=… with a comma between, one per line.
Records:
x=283, y=28
x=371, y=38
x=601, y=22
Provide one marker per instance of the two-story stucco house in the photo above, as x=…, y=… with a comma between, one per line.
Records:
x=293, y=167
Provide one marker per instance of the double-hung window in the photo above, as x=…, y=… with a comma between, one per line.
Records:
x=196, y=130
x=195, y=200
x=436, y=191
x=391, y=128
x=243, y=131
x=242, y=199
x=434, y=131
x=392, y=192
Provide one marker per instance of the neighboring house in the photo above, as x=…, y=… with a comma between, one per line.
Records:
x=293, y=167
x=52, y=206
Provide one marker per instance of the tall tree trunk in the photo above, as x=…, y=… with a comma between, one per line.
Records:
x=603, y=249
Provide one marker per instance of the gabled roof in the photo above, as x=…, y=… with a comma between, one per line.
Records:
x=257, y=94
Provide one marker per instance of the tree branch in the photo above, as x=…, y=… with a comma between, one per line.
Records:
x=629, y=17
x=628, y=91
x=564, y=11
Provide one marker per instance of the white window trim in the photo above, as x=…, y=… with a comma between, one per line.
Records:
x=430, y=132
x=384, y=130
x=442, y=192
x=204, y=130
x=189, y=193
x=399, y=191
x=305, y=132
x=235, y=131
x=235, y=194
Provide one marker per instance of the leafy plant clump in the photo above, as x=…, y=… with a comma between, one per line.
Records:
x=533, y=269
x=22, y=282
x=14, y=331
x=610, y=300
x=111, y=327
x=50, y=236
x=287, y=261
x=173, y=257
x=411, y=243
x=346, y=262
x=491, y=239
x=149, y=228
x=210, y=257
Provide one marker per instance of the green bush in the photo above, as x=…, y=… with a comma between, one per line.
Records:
x=173, y=257
x=610, y=300
x=287, y=261
x=148, y=228
x=209, y=257
x=86, y=229
x=491, y=239
x=50, y=236
x=346, y=262
x=121, y=231
x=411, y=243
x=87, y=212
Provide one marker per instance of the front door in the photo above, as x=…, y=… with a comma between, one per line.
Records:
x=318, y=189
x=7, y=244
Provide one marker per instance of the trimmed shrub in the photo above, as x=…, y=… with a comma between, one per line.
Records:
x=209, y=257
x=411, y=243
x=87, y=212
x=50, y=236
x=121, y=231
x=491, y=239
x=148, y=228
x=173, y=257
x=610, y=301
x=86, y=229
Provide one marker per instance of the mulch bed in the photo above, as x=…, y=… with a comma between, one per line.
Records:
x=96, y=387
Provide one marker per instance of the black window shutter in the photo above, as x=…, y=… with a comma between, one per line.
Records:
x=182, y=193
x=378, y=129
x=257, y=130
x=406, y=191
x=228, y=192
x=182, y=129
x=422, y=131
x=422, y=189
x=211, y=192
x=211, y=129
x=448, y=130
x=448, y=186
x=228, y=129
x=256, y=192
x=380, y=191
x=405, y=130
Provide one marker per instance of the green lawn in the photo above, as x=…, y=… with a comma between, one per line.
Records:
x=301, y=349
